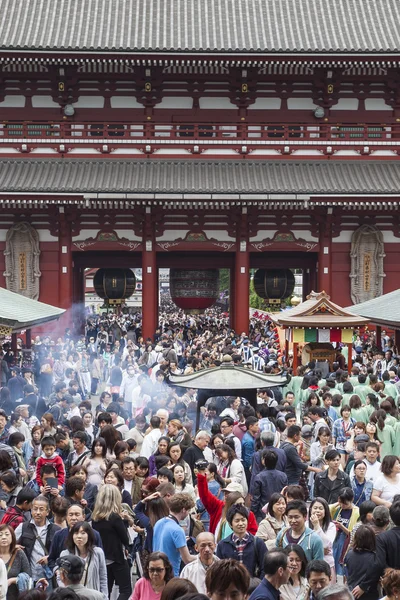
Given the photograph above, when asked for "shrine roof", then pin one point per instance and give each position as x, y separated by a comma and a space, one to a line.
18, 312
227, 377
384, 310
225, 178
201, 26
318, 311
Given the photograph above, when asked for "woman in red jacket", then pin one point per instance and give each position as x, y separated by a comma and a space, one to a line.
217, 509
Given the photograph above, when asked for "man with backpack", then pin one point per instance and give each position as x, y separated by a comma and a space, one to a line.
36, 537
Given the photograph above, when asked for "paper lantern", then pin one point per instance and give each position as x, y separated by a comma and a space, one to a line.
194, 290
114, 284
274, 285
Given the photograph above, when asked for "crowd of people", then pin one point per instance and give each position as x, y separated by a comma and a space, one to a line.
113, 484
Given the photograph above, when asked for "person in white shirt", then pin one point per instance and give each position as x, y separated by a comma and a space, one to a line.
196, 570
3, 580
231, 410
257, 362
149, 445
139, 397
226, 426
128, 385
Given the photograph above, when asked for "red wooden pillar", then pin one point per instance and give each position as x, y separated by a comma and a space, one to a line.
149, 281
28, 339
231, 298
325, 260
66, 268
242, 283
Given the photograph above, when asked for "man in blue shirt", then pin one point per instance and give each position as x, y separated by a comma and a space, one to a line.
248, 444
169, 537
276, 574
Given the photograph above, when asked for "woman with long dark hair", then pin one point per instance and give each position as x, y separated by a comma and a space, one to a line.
81, 541
115, 477
360, 561
175, 453
274, 520
319, 519
96, 463
14, 559
148, 511
296, 586
162, 450
111, 437
229, 467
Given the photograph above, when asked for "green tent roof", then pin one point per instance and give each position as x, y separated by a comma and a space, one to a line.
19, 312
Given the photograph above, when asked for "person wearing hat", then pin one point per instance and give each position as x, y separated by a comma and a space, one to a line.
256, 361
246, 351
72, 570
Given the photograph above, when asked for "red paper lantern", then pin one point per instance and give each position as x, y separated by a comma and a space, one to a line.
194, 291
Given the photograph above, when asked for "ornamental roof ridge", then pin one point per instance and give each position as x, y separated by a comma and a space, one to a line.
202, 26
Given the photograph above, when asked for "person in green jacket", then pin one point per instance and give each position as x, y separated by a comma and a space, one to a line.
358, 412
385, 432
362, 388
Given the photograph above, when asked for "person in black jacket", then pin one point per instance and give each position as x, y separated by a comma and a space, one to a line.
294, 465
109, 520
387, 553
360, 560
331, 482
266, 483
36, 537
241, 545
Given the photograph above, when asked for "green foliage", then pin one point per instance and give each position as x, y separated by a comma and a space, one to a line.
255, 301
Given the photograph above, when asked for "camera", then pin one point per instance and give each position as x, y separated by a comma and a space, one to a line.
201, 465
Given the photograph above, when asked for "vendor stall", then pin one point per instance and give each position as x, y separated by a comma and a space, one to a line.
321, 323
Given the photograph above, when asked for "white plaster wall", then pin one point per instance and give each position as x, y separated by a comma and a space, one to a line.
86, 233
346, 104
376, 104
266, 104
170, 235
124, 102
175, 102
128, 234
216, 103
220, 235
300, 104
44, 102
45, 236
89, 102
263, 234
13, 100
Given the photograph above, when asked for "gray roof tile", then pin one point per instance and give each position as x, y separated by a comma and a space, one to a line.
201, 25
191, 177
